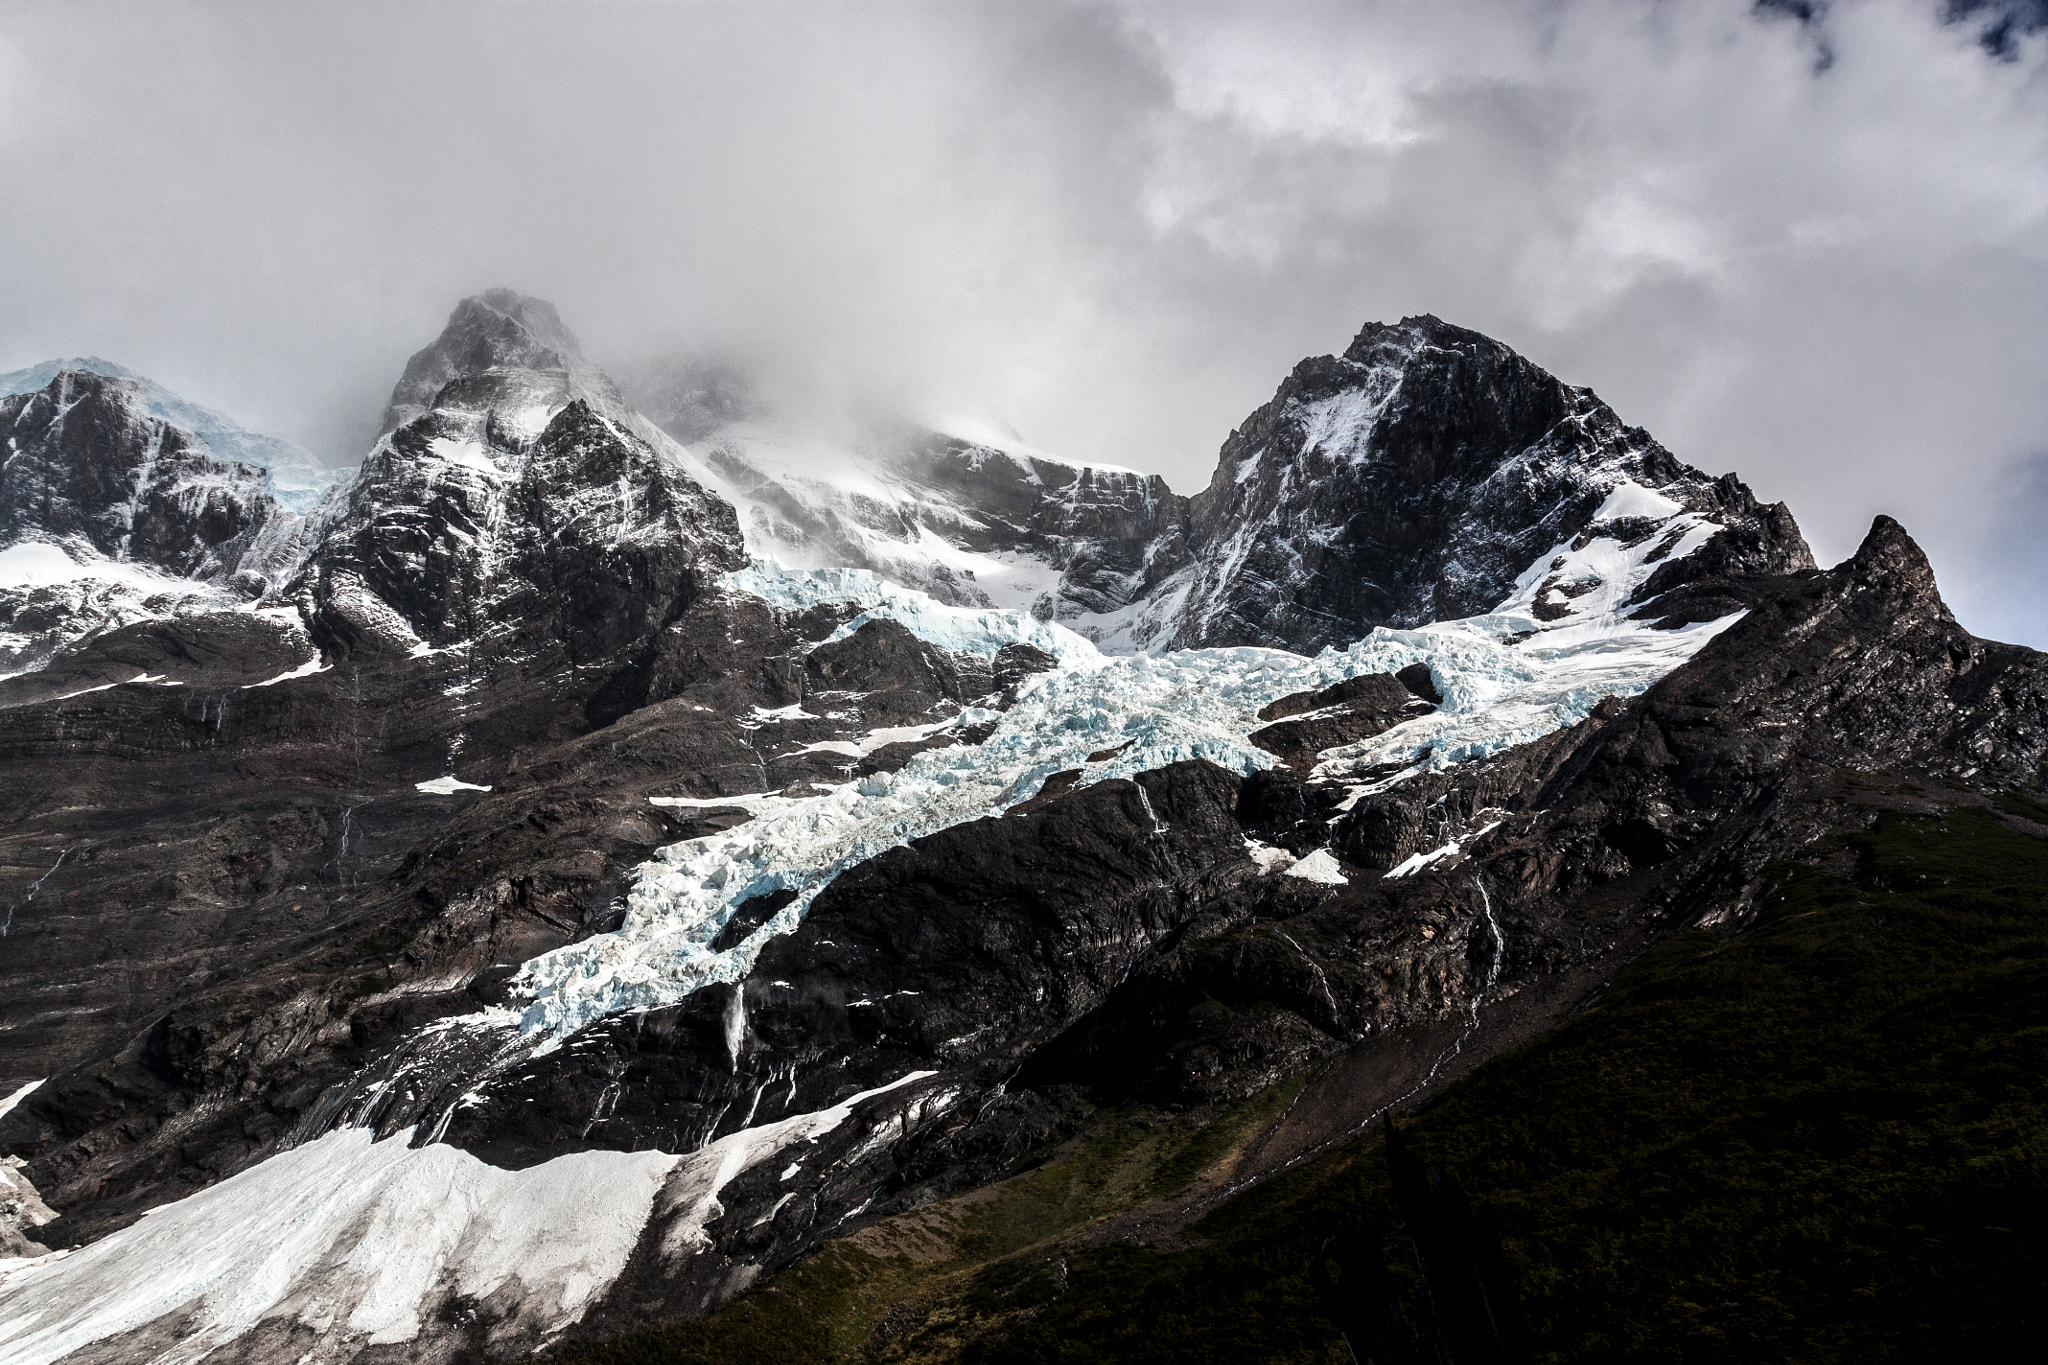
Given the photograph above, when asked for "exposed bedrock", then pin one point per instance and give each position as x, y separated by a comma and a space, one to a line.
1413, 479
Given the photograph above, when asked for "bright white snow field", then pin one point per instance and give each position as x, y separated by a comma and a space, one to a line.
360, 1242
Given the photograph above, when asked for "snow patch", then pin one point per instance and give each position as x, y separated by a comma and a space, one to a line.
470, 455
41, 564
1268, 858
1319, 866
359, 1240
447, 786
7, 1105
1416, 862
304, 670
887, 735
1631, 499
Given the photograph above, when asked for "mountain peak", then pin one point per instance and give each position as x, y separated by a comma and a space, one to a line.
1892, 560
1421, 476
39, 376
297, 479
496, 331
1380, 342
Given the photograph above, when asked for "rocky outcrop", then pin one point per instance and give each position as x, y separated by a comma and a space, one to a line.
87, 463
1415, 478
22, 1212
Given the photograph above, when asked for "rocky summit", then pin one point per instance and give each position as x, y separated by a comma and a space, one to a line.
619, 859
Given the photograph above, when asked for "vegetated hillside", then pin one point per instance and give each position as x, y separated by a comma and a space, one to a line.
1821, 1138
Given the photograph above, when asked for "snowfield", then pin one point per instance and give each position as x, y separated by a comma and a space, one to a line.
347, 1243
352, 1239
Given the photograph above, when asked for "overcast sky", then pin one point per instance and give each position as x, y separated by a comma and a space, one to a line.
1812, 252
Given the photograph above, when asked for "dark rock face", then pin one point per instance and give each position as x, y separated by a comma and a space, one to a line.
85, 461
1579, 848
260, 908
515, 501
1413, 479
1308, 723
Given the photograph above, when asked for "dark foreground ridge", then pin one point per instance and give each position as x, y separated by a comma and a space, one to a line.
1810, 1140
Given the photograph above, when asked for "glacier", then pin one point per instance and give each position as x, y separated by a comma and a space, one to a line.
1506, 678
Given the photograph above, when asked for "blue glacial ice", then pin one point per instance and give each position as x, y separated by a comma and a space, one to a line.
1506, 679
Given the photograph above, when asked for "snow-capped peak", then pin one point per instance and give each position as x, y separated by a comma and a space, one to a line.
500, 351
296, 479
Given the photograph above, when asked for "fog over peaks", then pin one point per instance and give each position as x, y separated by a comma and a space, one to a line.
1805, 242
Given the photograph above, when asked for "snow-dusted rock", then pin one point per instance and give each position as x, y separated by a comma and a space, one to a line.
110, 515
296, 479
510, 492
1416, 478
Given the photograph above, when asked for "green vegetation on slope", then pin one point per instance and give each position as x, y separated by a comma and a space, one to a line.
858, 1294
1822, 1139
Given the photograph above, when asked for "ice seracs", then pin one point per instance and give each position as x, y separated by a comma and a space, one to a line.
1506, 678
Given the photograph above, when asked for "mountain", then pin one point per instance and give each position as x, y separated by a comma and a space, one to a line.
110, 515
968, 522
1418, 477
1412, 479
296, 479
598, 880
510, 505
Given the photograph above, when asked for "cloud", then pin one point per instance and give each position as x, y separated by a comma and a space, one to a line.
1814, 252
16, 89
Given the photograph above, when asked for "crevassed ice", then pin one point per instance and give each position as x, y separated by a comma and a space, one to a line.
1505, 678
968, 630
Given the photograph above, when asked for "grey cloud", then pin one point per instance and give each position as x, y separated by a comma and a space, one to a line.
1110, 229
